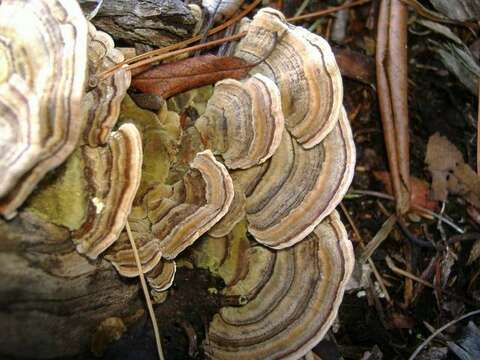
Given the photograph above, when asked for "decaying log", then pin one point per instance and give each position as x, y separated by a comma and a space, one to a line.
51, 298
153, 22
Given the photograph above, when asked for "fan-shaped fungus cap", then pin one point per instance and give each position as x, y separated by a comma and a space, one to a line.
195, 207
244, 181
243, 121
303, 67
161, 277
113, 173
102, 102
43, 57
293, 298
122, 258
301, 187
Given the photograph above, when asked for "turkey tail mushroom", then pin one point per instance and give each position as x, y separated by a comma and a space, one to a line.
292, 295
102, 102
243, 121
301, 187
43, 47
198, 204
303, 67
113, 173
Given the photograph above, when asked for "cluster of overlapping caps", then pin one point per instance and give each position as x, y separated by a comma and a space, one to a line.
270, 156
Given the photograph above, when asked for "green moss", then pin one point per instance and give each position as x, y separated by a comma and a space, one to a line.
160, 138
61, 198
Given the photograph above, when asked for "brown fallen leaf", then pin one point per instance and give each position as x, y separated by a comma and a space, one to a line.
355, 65
419, 189
176, 77
465, 182
442, 158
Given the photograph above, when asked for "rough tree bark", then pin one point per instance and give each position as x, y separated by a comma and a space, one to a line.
151, 22
51, 298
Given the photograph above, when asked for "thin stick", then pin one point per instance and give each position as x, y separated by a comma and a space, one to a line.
405, 273
414, 206
438, 331
370, 261
146, 294
184, 43
141, 63
478, 130
169, 51
328, 11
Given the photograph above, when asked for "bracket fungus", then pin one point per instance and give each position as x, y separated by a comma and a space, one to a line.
292, 295
43, 56
301, 187
113, 173
203, 200
102, 102
303, 66
243, 121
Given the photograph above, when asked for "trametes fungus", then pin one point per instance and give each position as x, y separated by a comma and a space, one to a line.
292, 298
303, 67
301, 187
243, 121
102, 102
197, 204
43, 57
113, 175
162, 276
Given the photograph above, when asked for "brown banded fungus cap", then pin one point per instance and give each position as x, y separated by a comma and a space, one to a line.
300, 187
43, 57
161, 277
113, 173
102, 102
292, 295
304, 69
196, 204
243, 121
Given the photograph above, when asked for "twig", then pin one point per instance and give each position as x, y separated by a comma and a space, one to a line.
141, 63
378, 239
184, 43
327, 11
302, 7
145, 293
177, 49
398, 82
478, 130
414, 206
405, 273
370, 261
438, 331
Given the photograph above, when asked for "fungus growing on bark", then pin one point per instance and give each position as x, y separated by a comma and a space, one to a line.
301, 187
43, 56
161, 277
102, 102
243, 121
303, 67
292, 298
196, 204
113, 175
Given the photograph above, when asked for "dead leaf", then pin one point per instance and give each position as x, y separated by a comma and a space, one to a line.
465, 182
176, 77
442, 158
419, 189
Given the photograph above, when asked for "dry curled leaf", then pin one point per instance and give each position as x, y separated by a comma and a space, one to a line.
176, 77
442, 157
